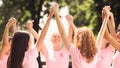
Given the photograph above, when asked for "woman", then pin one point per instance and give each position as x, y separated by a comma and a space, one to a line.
22, 55
83, 51
6, 43
107, 49
60, 56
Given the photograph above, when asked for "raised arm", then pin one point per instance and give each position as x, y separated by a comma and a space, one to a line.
70, 34
70, 20
72, 27
111, 25
5, 42
112, 41
40, 44
61, 28
31, 30
14, 26
103, 27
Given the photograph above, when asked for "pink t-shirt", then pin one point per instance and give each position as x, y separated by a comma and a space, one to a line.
79, 62
60, 59
116, 63
3, 61
30, 59
106, 56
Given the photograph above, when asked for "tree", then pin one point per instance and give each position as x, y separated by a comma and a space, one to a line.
83, 11
115, 8
22, 10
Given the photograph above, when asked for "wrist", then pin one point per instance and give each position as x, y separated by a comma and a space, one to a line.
7, 26
50, 15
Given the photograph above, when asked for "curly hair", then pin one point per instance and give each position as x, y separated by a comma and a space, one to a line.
85, 41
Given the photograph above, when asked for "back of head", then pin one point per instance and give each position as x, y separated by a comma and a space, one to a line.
85, 41
19, 46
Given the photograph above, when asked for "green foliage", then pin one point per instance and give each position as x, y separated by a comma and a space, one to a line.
22, 10
115, 8
83, 12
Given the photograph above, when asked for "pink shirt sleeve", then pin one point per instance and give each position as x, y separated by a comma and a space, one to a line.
105, 61
3, 61
30, 58
116, 63
33, 53
76, 57
73, 51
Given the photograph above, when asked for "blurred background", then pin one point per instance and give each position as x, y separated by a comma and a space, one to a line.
85, 12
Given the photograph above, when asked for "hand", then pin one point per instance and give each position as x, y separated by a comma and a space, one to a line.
14, 22
69, 18
30, 24
51, 12
55, 7
52, 8
11, 21
106, 10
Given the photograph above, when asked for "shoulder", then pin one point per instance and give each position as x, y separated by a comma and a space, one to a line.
31, 52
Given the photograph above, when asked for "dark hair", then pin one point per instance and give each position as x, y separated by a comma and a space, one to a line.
19, 46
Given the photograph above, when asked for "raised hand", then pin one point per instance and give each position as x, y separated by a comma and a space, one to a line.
71, 21
105, 11
11, 21
14, 21
30, 24
69, 18
55, 7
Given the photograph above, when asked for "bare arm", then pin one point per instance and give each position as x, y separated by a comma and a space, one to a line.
70, 33
6, 43
70, 20
61, 29
14, 26
102, 29
72, 27
40, 44
31, 30
111, 25
112, 41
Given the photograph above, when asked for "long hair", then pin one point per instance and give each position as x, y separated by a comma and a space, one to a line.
85, 41
18, 47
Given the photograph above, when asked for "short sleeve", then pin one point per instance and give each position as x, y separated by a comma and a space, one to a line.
30, 58
31, 55
73, 50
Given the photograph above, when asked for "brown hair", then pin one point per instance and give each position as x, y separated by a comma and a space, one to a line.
85, 41
18, 48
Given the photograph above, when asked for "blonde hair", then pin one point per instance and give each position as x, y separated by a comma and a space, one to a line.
85, 41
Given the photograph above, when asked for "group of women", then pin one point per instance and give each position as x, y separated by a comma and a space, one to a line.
85, 50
